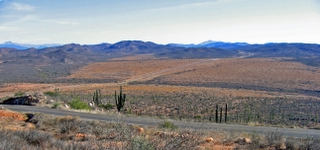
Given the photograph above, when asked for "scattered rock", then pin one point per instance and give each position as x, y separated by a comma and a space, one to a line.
40, 96
65, 105
158, 133
80, 135
282, 146
209, 139
247, 140
243, 141
29, 125
141, 130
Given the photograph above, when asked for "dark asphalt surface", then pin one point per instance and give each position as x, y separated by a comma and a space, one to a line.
155, 122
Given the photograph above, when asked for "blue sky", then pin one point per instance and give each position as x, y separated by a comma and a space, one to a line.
160, 21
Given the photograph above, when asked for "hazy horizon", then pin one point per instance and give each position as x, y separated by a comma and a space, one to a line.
13, 42
162, 22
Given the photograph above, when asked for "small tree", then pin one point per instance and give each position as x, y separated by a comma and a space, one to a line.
120, 99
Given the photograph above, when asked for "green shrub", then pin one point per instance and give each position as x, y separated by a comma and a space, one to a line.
197, 117
107, 106
20, 93
52, 94
168, 125
76, 103
56, 105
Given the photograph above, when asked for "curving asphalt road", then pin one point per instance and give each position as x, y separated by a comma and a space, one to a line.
155, 122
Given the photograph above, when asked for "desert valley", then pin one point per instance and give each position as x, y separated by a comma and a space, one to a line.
271, 85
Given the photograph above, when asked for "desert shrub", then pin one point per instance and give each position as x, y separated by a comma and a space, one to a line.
9, 141
184, 140
91, 145
123, 130
25, 139
292, 143
38, 119
256, 141
68, 124
52, 94
76, 103
310, 143
168, 125
141, 143
20, 93
274, 137
56, 105
107, 106
197, 117
36, 138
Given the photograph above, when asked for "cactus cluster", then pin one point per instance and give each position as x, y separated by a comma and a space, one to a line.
219, 118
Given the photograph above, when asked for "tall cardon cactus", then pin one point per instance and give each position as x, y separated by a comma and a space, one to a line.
97, 97
120, 99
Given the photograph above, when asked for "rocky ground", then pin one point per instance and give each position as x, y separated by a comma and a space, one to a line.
39, 131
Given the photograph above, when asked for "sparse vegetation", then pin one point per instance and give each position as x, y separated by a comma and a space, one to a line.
56, 105
20, 93
107, 106
52, 94
168, 125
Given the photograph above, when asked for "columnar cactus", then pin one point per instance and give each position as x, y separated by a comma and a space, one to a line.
217, 108
226, 114
97, 97
120, 99
220, 114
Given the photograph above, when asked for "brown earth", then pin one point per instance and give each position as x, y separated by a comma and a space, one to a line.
135, 69
12, 115
266, 72
12, 120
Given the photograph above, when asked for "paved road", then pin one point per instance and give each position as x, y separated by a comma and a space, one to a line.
155, 122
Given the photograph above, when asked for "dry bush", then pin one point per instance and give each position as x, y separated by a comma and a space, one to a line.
274, 138
27, 139
141, 143
183, 140
68, 124
312, 143
36, 138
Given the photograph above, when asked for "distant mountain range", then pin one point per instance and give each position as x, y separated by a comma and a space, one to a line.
213, 44
43, 63
208, 49
148, 45
19, 46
